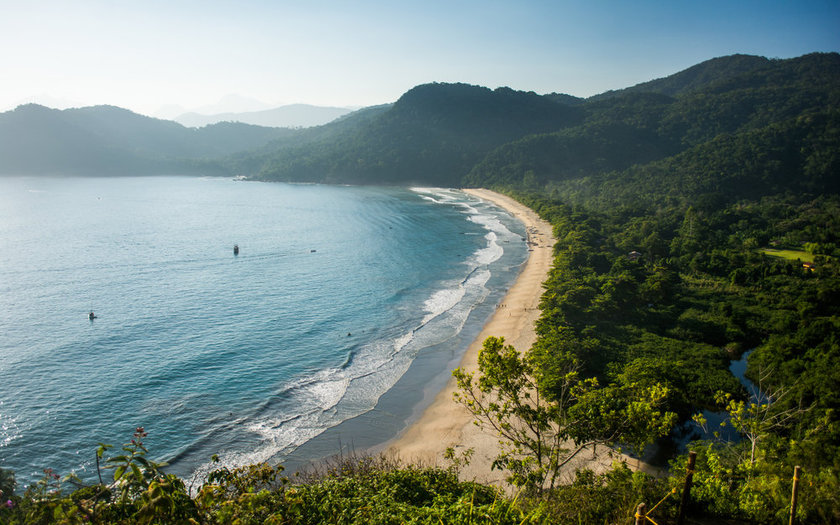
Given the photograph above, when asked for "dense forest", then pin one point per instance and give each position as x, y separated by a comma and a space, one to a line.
778, 114
697, 218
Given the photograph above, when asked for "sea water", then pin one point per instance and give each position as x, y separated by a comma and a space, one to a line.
338, 319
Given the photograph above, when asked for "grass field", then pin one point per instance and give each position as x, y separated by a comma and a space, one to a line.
789, 254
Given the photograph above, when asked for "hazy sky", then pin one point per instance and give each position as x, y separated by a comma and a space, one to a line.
145, 55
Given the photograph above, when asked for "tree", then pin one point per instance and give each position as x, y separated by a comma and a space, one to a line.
760, 416
540, 434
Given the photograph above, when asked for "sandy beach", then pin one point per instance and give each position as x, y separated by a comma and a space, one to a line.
447, 424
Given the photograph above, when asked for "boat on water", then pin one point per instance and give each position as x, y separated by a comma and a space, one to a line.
91, 315
236, 249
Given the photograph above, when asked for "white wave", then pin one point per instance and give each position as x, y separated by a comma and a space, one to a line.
442, 196
489, 254
442, 301
321, 401
403, 341
431, 199
328, 393
490, 222
324, 399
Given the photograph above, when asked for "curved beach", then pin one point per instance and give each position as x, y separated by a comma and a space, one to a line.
447, 424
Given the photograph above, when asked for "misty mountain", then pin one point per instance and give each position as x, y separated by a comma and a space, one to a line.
106, 140
290, 116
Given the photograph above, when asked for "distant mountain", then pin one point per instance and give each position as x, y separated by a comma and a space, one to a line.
291, 116
231, 103
105, 140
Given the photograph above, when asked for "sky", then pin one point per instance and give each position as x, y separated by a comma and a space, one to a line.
163, 57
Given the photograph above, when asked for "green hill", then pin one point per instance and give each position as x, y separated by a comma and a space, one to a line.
769, 130
696, 77
432, 135
456, 134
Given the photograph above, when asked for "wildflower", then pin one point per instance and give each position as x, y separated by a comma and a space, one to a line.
9, 503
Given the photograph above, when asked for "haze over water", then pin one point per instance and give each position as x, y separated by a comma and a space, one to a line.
335, 293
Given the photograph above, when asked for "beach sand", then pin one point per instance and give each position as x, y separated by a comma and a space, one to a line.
445, 423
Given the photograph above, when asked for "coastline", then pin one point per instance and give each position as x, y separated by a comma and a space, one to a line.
447, 424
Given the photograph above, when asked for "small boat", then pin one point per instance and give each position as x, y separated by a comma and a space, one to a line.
91, 315
236, 249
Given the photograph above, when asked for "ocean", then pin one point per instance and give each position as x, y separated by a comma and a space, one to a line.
333, 327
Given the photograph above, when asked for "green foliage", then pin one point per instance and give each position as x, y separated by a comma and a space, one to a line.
658, 276
139, 493
355, 491
727, 485
536, 428
610, 497
7, 484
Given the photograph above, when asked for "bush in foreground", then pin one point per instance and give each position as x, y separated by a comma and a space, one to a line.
366, 490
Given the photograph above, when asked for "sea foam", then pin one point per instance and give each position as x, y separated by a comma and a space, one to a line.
328, 397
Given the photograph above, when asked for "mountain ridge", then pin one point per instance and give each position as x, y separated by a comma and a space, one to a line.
455, 134
101, 140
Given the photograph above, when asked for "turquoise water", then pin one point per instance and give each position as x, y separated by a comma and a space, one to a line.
340, 315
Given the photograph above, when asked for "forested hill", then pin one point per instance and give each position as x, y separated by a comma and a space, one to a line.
434, 134
680, 133
697, 77
106, 140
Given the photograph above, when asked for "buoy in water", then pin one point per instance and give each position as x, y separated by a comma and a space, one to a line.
236, 249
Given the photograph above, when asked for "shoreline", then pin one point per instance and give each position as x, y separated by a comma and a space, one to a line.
444, 423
